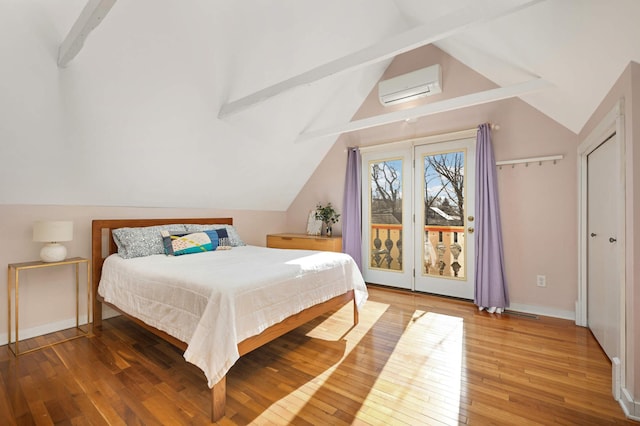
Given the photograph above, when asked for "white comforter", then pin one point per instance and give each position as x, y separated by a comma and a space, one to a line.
214, 300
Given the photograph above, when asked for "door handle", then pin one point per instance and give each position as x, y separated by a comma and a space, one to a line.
470, 229
612, 240
593, 234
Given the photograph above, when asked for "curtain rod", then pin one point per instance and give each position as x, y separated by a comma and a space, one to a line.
459, 134
423, 140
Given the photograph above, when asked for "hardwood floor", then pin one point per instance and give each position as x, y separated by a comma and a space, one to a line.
413, 359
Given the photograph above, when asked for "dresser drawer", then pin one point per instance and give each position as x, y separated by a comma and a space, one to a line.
304, 242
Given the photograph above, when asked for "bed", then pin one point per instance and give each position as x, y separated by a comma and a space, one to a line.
212, 305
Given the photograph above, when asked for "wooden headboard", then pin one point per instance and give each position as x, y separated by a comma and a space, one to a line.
102, 237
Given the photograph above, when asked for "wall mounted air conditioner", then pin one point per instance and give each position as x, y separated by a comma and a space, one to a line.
410, 86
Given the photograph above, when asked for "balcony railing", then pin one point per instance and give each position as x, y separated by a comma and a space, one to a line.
386, 246
443, 252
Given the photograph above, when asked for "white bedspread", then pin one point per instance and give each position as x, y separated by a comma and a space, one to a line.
214, 300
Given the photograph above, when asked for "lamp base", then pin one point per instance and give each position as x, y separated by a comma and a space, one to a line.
53, 252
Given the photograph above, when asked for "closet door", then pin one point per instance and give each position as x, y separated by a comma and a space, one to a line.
387, 218
603, 283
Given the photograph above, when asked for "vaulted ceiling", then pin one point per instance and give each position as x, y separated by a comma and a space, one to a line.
580, 47
153, 78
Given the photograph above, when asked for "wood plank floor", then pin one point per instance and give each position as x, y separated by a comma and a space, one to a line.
413, 359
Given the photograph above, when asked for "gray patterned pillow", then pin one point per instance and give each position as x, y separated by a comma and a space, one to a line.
234, 237
144, 241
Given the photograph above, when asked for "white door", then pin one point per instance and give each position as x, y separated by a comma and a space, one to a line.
386, 217
603, 286
444, 218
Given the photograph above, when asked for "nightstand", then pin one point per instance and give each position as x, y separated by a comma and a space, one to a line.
13, 280
304, 242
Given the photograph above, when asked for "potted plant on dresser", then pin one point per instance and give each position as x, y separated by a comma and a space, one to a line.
328, 215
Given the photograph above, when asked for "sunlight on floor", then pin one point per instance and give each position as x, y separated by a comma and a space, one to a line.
428, 356
420, 379
337, 327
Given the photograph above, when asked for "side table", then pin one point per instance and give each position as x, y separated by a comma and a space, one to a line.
13, 280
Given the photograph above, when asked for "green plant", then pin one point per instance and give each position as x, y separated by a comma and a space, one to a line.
327, 214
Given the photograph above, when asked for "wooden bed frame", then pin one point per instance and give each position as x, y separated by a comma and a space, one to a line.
102, 239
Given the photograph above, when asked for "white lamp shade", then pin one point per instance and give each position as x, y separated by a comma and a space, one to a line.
53, 231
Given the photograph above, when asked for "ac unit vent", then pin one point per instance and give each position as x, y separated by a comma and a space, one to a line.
410, 86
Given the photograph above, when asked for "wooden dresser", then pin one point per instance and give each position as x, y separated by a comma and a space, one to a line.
304, 242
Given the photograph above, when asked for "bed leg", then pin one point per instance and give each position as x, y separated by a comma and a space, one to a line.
218, 399
97, 314
355, 312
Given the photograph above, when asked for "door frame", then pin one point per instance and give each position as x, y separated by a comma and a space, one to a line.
612, 123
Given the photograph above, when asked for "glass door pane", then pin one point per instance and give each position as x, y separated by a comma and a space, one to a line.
386, 214
386, 182
443, 212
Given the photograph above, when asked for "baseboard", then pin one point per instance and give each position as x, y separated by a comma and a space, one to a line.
542, 310
630, 407
28, 333
616, 378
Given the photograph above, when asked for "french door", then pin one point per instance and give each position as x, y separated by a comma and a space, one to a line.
418, 217
444, 202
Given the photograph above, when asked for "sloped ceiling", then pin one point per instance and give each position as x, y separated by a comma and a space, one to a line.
580, 47
138, 107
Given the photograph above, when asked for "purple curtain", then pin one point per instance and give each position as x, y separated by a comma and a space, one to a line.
352, 208
490, 282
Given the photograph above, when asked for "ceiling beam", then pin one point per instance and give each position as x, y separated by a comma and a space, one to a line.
446, 26
90, 17
451, 104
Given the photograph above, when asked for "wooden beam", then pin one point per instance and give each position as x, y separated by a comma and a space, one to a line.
90, 17
464, 101
446, 26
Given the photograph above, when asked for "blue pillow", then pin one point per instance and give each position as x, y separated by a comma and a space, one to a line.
187, 243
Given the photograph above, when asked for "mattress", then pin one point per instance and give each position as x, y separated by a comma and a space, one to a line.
214, 300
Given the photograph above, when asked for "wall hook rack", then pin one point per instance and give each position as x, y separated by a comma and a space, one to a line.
526, 161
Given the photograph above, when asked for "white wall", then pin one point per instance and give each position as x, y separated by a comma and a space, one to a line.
133, 119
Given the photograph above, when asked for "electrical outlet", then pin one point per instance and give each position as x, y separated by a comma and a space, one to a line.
541, 281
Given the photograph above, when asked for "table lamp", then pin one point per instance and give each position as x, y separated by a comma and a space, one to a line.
52, 233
